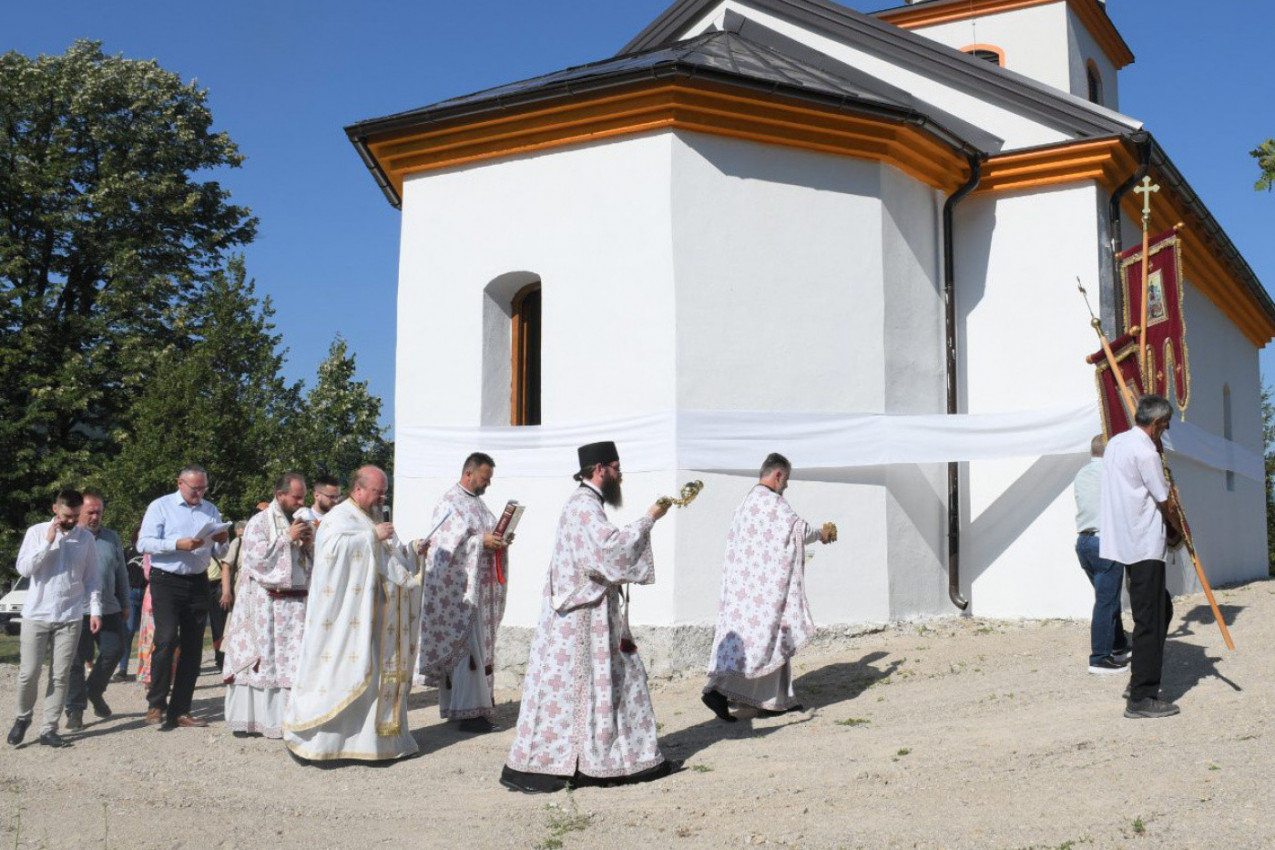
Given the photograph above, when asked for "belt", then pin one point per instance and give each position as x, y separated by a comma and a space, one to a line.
1089, 533
287, 594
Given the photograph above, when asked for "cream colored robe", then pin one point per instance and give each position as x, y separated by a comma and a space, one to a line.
349, 698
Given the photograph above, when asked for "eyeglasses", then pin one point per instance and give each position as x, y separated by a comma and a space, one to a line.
201, 489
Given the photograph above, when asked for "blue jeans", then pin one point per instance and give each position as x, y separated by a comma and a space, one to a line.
1106, 631
132, 625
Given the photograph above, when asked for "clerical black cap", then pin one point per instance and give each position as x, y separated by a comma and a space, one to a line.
604, 452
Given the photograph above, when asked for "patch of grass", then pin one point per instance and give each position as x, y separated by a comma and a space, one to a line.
1214, 767
1139, 828
10, 649
853, 721
701, 768
903, 751
561, 820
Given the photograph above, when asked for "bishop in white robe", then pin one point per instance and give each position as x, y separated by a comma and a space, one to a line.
464, 600
349, 698
586, 715
763, 618
263, 635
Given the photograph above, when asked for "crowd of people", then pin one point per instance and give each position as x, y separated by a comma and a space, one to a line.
323, 618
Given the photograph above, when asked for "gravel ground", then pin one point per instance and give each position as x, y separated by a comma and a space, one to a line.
954, 733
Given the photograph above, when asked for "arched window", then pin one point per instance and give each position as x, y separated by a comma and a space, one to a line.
1226, 431
1095, 83
524, 406
987, 52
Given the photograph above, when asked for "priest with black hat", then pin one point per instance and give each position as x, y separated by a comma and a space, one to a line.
586, 716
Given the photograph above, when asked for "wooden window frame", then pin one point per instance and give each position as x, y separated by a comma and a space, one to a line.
520, 403
990, 48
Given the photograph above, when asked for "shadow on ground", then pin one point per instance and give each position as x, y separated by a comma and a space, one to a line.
1187, 664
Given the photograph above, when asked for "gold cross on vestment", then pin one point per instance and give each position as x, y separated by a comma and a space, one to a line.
354, 657
328, 591
354, 622
1145, 189
326, 657
327, 624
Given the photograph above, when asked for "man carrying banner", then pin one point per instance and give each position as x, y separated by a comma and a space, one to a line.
763, 619
464, 600
586, 715
1135, 510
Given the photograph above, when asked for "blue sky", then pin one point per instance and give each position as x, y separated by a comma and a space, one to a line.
285, 77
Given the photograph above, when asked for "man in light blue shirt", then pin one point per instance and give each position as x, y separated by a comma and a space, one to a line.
182, 533
61, 559
1108, 643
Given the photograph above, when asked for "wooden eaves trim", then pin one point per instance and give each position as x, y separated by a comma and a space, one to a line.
1108, 162
1092, 15
696, 105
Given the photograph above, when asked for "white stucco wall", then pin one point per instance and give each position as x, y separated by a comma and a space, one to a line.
1024, 336
592, 222
1082, 48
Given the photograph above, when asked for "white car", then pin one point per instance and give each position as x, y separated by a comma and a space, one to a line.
11, 606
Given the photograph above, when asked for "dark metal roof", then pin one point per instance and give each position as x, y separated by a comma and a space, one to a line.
721, 56
1030, 97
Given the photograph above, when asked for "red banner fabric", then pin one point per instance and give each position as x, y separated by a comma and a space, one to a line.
1166, 323
1114, 418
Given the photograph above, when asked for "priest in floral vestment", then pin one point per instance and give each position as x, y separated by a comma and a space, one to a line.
349, 697
763, 618
586, 715
464, 600
263, 636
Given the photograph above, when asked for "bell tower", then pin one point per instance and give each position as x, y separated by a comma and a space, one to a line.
1071, 45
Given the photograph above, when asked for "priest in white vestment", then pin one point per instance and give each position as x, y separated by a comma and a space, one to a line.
763, 618
263, 636
586, 715
349, 698
464, 600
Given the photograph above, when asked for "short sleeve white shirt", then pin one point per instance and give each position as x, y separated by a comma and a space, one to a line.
1132, 484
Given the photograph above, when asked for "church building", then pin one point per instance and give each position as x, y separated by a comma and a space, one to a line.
855, 239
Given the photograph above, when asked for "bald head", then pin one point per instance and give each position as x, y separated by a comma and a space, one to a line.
368, 486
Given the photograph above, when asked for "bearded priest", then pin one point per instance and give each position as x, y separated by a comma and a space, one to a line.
763, 618
464, 600
349, 700
263, 636
586, 716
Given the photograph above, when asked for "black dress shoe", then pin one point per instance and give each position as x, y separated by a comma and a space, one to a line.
766, 712
19, 731
477, 726
52, 739
719, 705
100, 708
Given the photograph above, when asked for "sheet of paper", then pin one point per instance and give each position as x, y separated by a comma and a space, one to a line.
206, 533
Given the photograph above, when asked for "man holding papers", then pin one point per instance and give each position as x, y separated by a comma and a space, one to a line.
464, 600
181, 532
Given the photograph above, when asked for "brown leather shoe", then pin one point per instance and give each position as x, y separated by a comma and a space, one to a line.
154, 715
187, 721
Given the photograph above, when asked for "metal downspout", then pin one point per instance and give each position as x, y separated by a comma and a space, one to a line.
949, 306
1143, 142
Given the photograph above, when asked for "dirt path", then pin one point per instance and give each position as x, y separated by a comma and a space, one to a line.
952, 734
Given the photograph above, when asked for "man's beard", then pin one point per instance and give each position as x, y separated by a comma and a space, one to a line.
478, 491
611, 494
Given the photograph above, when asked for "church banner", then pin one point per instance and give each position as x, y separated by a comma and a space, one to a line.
1115, 419
1166, 322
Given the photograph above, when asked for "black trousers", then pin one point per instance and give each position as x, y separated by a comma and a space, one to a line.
217, 618
1152, 610
180, 606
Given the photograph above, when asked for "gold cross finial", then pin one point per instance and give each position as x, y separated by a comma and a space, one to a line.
1145, 189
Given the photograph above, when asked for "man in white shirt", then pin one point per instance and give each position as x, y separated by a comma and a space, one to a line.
179, 592
61, 560
1108, 643
327, 495
1135, 511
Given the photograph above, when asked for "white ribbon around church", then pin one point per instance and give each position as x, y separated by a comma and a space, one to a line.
739, 440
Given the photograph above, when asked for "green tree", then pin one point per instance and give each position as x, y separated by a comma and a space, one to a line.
340, 429
1265, 156
106, 240
216, 399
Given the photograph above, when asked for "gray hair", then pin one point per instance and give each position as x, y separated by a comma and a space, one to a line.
1097, 446
774, 461
241, 525
192, 469
1152, 408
